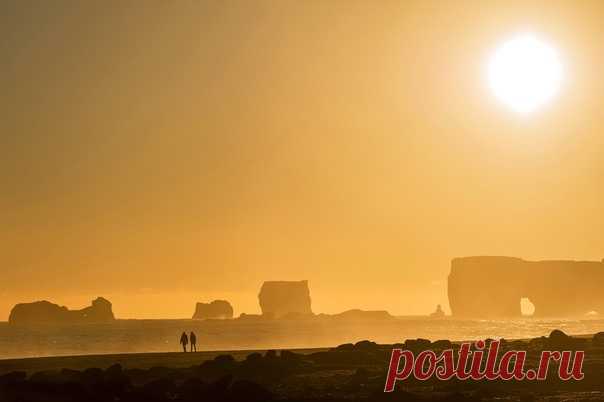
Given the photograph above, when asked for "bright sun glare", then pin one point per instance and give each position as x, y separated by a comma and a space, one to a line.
525, 73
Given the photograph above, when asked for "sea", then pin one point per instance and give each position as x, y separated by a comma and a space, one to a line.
145, 336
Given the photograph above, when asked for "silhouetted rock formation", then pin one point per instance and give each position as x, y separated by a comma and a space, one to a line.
44, 312
438, 313
278, 298
362, 315
354, 315
218, 309
491, 287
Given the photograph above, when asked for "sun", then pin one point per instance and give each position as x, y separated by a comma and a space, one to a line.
525, 73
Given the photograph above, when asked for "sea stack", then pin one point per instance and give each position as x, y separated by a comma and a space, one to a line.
218, 309
45, 312
280, 298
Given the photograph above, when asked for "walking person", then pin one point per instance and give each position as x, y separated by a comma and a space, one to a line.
193, 339
184, 340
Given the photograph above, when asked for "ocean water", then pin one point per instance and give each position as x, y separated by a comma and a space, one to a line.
141, 336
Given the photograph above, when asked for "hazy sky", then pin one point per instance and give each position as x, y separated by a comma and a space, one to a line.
161, 153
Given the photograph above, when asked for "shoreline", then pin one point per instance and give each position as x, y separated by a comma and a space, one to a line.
176, 359
129, 360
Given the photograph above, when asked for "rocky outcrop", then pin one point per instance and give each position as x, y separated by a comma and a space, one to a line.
492, 287
218, 309
279, 298
438, 313
363, 315
45, 312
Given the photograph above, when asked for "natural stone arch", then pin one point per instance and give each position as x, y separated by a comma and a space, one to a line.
492, 287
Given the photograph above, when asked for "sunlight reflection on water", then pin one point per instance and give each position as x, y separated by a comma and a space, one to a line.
137, 336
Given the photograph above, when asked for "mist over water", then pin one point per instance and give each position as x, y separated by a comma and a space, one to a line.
143, 336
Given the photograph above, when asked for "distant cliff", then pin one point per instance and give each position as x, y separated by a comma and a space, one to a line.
491, 287
280, 298
45, 312
218, 309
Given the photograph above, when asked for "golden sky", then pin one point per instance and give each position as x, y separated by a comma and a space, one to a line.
162, 153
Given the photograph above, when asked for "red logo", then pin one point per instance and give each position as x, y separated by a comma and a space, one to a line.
404, 364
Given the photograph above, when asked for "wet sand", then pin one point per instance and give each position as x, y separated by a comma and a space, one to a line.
127, 360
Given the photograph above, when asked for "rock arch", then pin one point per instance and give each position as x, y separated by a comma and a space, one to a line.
492, 287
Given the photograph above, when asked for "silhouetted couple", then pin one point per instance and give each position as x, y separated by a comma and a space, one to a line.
184, 341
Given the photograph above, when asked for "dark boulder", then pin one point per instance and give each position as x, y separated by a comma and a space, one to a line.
558, 339
366, 345
598, 339
14, 377
247, 391
417, 344
270, 354
345, 347
442, 344
290, 356
221, 366
253, 357
159, 390
191, 389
